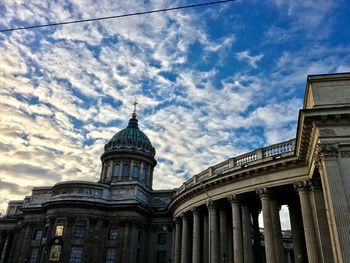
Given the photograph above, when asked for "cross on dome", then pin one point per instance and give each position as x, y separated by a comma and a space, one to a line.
134, 112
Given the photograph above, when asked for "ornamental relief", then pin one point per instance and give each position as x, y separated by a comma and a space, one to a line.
327, 132
325, 150
345, 154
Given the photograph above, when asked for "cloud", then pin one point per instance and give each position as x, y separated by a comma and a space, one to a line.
250, 60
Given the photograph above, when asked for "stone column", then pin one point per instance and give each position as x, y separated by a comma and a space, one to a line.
205, 238
185, 249
256, 234
2, 240
268, 228
297, 233
309, 230
320, 220
223, 235
236, 229
338, 211
230, 241
196, 241
247, 235
7, 247
213, 233
277, 231
4, 244
177, 253
173, 242
26, 239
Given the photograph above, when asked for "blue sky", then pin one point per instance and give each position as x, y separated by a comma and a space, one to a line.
211, 82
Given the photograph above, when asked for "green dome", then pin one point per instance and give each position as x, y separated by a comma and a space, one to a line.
131, 138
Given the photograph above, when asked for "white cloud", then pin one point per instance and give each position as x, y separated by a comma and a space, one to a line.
246, 57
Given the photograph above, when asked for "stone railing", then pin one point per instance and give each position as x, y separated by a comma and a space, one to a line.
270, 152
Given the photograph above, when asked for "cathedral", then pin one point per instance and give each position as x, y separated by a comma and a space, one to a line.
213, 216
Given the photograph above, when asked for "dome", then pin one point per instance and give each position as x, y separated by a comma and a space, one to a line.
131, 138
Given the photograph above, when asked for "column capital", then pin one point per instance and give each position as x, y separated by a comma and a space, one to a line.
316, 184
195, 210
263, 192
302, 186
233, 198
211, 204
184, 215
325, 151
176, 220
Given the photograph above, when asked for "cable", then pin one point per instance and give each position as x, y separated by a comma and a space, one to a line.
116, 16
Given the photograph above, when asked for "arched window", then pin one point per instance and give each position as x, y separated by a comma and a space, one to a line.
144, 172
135, 171
126, 169
116, 169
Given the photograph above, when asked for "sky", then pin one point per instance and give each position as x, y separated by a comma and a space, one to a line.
211, 82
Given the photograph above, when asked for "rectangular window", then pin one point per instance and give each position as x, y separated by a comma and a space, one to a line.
144, 172
76, 254
135, 171
126, 169
59, 230
116, 170
113, 232
161, 238
79, 231
161, 256
38, 233
55, 253
34, 255
111, 255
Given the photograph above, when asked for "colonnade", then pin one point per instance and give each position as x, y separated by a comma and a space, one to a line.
227, 230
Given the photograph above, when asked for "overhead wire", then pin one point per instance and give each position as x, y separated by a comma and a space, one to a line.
116, 16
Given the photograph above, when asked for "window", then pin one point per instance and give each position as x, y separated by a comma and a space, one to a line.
76, 254
126, 169
161, 256
116, 169
161, 238
38, 233
144, 172
112, 235
111, 254
34, 255
135, 171
79, 231
55, 253
59, 230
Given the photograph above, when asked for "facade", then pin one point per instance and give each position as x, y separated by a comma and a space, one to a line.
212, 217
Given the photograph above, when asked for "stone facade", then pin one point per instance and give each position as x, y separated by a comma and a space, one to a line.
212, 217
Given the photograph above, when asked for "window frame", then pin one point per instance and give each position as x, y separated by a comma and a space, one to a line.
113, 236
77, 234
75, 258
